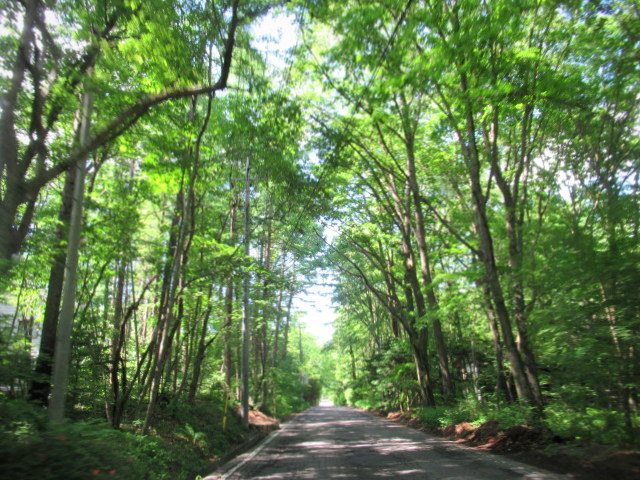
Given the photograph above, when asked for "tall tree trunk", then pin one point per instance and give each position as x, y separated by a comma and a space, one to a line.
276, 333
117, 340
425, 268
419, 337
470, 150
502, 385
246, 328
41, 385
200, 355
62, 354
264, 341
10, 167
120, 385
227, 356
287, 320
167, 324
486, 247
510, 195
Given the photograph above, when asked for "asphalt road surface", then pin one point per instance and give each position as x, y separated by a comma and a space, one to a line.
344, 443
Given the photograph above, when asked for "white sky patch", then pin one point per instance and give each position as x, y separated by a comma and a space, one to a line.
276, 35
316, 309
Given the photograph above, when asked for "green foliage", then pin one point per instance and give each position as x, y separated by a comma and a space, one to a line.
589, 424
412, 103
562, 419
516, 118
312, 391
200, 424
78, 451
385, 381
187, 439
195, 438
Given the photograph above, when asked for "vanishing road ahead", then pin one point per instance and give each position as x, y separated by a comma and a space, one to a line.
344, 443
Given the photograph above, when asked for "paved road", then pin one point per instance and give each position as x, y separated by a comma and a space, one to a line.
344, 443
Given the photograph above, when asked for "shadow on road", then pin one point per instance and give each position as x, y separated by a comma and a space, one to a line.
339, 443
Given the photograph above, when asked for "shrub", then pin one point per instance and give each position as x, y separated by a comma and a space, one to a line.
588, 423
30, 449
472, 411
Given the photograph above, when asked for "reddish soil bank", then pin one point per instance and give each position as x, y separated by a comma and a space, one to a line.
260, 421
541, 448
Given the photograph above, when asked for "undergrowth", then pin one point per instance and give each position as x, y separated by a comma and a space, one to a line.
569, 422
475, 413
182, 445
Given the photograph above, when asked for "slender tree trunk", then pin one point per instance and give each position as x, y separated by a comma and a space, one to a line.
287, 321
470, 150
121, 389
227, 356
168, 324
425, 268
419, 338
415, 299
514, 220
246, 328
264, 341
41, 385
200, 355
486, 247
502, 385
276, 333
117, 341
62, 356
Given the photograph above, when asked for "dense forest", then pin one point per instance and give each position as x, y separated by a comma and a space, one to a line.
466, 173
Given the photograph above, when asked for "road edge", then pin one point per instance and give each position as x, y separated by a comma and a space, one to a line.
232, 461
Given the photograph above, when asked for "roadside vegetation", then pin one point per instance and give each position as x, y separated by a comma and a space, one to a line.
485, 160
158, 221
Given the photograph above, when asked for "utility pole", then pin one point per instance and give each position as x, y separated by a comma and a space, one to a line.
62, 353
246, 332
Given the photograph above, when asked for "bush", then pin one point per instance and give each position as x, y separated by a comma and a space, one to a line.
30, 449
472, 411
79, 451
312, 391
432, 417
588, 423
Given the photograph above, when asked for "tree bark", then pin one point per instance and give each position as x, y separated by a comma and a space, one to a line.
41, 385
510, 195
200, 355
167, 323
425, 268
62, 354
502, 385
246, 327
287, 321
488, 259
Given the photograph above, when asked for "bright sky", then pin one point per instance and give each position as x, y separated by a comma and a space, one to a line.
316, 309
277, 35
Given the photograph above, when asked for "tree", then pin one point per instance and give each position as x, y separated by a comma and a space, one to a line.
25, 169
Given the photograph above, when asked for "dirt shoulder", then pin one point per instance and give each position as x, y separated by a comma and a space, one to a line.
540, 448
